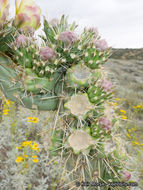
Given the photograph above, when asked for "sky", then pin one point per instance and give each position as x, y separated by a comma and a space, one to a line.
120, 22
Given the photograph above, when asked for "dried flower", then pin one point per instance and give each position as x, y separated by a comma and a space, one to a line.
68, 37
21, 40
47, 53
105, 123
107, 85
126, 175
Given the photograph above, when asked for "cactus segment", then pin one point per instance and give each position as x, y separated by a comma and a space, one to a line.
93, 58
80, 140
79, 105
35, 84
12, 88
56, 142
95, 94
80, 76
6, 37
25, 56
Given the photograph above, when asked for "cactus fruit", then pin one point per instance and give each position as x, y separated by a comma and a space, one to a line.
93, 57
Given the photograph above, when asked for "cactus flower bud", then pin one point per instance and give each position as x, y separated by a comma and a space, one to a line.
101, 45
4, 10
27, 14
107, 85
126, 175
68, 37
21, 40
47, 53
105, 123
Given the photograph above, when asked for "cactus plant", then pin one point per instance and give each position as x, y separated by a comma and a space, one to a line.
65, 74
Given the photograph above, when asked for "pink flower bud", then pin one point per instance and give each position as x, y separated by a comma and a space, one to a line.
101, 45
126, 175
68, 37
27, 14
21, 40
107, 85
54, 22
47, 53
105, 123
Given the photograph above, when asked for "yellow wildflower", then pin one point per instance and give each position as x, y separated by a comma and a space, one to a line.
133, 129
138, 106
123, 111
25, 143
115, 104
35, 160
117, 99
35, 144
129, 130
34, 156
128, 135
25, 156
5, 112
18, 147
124, 117
35, 120
141, 144
8, 102
34, 148
19, 159
135, 142
30, 119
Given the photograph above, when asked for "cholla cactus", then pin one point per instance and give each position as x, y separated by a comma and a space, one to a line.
65, 74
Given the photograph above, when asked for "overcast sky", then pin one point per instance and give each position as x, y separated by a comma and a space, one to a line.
120, 22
